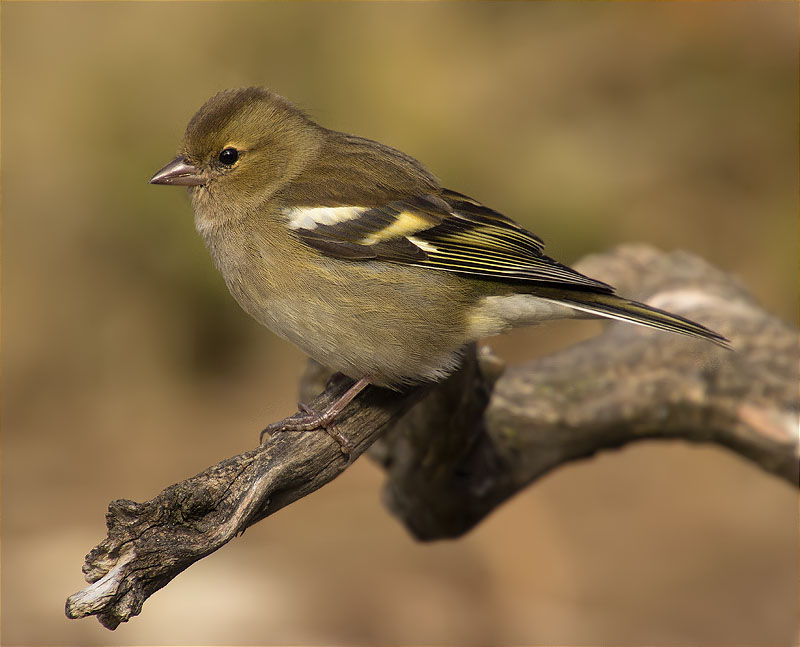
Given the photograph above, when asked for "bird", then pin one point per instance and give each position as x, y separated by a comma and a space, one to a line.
355, 252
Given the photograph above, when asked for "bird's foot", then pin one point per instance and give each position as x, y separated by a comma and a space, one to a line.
310, 420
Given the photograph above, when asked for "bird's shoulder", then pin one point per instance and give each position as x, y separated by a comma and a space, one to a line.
348, 170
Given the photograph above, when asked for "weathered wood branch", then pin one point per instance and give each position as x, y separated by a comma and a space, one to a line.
453, 452
150, 543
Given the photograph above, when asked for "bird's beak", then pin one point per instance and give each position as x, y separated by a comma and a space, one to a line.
179, 172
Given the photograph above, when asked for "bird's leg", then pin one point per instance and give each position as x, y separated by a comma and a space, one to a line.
311, 420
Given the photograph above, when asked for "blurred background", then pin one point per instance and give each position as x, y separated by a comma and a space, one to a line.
127, 367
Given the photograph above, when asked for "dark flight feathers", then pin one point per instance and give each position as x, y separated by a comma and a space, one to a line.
450, 232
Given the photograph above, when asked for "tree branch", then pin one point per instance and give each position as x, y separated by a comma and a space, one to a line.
150, 543
482, 435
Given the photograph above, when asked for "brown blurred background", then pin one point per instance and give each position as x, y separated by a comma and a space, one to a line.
126, 366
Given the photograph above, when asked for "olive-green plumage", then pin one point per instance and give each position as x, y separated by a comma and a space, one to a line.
354, 252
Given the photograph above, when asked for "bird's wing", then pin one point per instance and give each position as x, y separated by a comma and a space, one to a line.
448, 231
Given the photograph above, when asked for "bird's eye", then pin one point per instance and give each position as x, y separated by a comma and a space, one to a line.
229, 156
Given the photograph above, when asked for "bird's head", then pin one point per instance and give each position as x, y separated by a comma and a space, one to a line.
239, 149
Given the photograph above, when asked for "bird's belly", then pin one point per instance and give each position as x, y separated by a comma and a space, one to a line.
363, 344
392, 325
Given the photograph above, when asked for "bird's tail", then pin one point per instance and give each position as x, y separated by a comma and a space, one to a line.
613, 307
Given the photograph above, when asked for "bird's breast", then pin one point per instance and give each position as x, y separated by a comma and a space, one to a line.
391, 322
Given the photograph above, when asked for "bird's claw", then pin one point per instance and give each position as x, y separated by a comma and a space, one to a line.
309, 420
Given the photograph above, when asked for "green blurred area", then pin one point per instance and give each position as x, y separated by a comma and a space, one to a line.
126, 365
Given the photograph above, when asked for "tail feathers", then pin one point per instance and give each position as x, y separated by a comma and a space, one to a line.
614, 307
